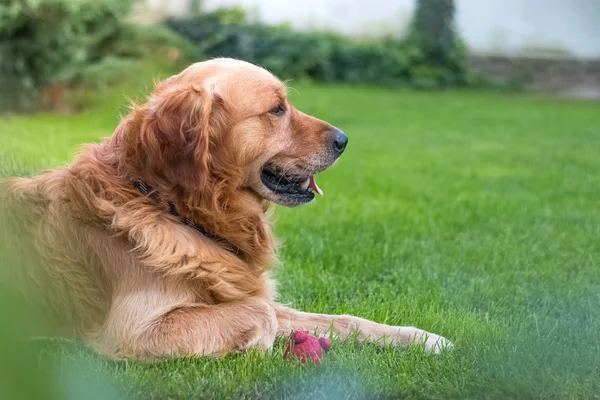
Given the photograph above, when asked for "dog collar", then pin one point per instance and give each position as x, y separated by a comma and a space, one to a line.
147, 190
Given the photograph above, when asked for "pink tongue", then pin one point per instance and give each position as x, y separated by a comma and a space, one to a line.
313, 185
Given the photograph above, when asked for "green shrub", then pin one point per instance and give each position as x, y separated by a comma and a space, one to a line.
321, 56
47, 47
47, 42
134, 41
134, 44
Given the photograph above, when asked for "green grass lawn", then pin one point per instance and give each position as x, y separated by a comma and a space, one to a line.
474, 216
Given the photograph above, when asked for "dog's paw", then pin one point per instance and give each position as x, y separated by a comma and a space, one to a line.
431, 342
435, 343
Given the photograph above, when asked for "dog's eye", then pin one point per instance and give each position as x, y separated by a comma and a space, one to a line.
277, 111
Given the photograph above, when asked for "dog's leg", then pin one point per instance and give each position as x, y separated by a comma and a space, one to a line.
189, 331
345, 326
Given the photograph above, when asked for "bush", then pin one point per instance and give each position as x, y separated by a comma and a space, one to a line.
134, 45
49, 46
44, 43
320, 56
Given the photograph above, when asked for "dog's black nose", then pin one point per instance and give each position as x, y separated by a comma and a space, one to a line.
340, 140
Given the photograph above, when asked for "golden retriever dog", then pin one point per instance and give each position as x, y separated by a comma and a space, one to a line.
157, 242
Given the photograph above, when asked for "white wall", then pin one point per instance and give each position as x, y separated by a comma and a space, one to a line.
488, 26
351, 17
509, 26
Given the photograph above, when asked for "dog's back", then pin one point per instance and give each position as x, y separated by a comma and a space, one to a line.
45, 258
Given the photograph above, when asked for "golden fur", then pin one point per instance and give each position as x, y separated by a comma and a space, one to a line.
130, 278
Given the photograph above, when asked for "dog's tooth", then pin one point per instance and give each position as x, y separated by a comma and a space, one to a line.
304, 184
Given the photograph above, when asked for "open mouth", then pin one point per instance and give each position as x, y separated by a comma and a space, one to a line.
292, 189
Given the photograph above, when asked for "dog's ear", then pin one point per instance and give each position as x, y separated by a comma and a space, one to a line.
175, 136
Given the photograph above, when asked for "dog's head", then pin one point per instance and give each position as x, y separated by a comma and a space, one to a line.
226, 122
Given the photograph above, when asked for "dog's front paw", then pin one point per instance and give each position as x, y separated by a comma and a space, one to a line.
435, 343
431, 342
